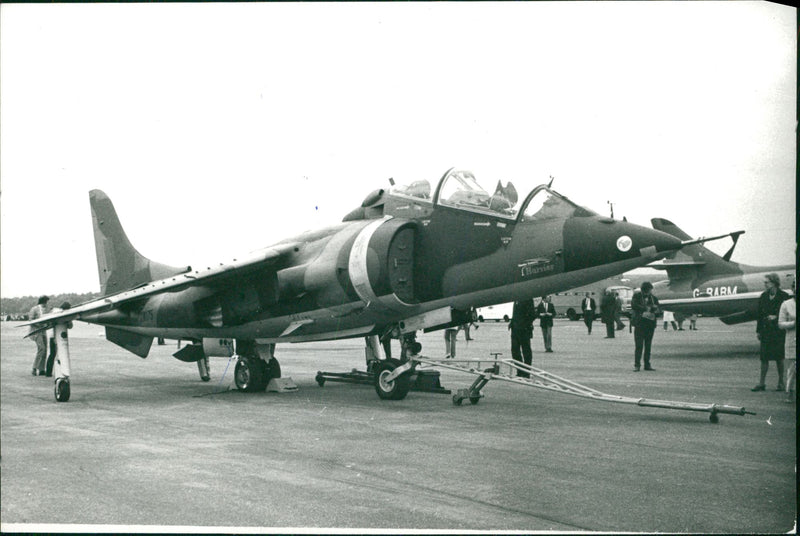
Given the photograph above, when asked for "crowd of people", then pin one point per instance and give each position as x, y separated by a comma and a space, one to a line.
776, 328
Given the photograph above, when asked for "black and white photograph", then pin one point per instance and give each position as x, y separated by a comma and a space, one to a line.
398, 267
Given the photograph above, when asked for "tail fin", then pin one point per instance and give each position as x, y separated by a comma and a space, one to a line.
119, 265
692, 259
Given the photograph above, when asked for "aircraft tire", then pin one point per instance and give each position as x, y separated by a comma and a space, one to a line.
393, 390
250, 375
572, 315
62, 389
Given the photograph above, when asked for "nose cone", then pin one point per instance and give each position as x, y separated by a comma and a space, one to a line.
595, 241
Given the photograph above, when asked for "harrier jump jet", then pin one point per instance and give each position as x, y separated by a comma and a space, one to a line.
410, 257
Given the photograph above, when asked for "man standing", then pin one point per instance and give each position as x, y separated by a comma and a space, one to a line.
644, 307
546, 311
588, 307
450, 341
607, 312
521, 326
39, 337
772, 337
618, 312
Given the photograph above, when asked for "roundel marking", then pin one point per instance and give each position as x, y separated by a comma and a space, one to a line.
624, 243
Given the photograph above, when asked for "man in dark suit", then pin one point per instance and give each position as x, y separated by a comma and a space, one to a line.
546, 311
589, 309
521, 326
608, 307
644, 307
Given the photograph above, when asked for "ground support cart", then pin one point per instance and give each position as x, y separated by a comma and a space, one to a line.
523, 374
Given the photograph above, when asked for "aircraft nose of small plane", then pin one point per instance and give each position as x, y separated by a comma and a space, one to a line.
594, 241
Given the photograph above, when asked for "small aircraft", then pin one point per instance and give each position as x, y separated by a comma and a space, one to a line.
408, 258
702, 282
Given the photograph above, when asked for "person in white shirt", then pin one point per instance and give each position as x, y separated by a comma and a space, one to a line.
787, 320
39, 337
588, 307
669, 318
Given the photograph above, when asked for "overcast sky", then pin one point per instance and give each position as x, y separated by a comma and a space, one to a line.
217, 129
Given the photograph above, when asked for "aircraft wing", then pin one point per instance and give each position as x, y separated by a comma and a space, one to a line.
661, 265
175, 283
721, 306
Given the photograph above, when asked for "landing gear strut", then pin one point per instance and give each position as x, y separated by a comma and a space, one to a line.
204, 369
62, 390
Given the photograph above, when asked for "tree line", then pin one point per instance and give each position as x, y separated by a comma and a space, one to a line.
18, 308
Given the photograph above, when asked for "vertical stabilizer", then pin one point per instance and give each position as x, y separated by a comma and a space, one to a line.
119, 265
691, 259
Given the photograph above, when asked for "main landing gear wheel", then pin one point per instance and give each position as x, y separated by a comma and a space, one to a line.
62, 389
396, 389
250, 374
253, 374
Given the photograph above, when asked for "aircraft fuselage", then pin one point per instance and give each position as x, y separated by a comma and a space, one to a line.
380, 267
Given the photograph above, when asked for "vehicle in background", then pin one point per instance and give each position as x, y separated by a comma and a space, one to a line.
568, 303
501, 312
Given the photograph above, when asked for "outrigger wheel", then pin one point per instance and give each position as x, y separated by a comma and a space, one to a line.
396, 389
62, 389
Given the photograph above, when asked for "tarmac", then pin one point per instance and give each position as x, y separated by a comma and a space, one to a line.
144, 445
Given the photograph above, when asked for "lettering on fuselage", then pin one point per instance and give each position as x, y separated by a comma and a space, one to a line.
535, 266
714, 291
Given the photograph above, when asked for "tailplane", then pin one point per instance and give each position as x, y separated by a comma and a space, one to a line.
691, 259
119, 265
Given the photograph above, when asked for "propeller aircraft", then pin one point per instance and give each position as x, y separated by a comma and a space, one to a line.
410, 257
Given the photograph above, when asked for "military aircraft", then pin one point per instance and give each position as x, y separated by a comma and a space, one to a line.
704, 283
408, 258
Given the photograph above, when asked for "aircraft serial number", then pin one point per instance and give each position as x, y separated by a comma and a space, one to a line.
715, 291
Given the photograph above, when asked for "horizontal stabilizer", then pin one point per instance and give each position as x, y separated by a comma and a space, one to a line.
133, 342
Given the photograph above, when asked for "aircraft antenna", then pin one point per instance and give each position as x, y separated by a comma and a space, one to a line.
551, 181
612, 208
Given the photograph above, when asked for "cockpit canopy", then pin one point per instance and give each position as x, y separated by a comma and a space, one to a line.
460, 190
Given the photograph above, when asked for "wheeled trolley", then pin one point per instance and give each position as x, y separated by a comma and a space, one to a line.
523, 374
